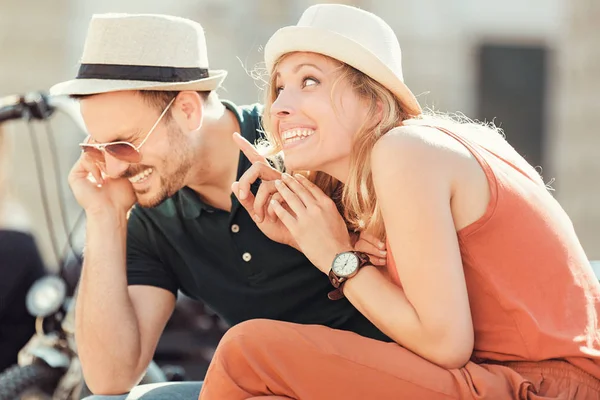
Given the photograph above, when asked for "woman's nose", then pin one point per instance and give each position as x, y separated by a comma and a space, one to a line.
283, 105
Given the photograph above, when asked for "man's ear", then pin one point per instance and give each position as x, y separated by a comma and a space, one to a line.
191, 108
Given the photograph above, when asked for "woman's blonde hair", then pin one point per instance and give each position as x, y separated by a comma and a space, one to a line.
356, 200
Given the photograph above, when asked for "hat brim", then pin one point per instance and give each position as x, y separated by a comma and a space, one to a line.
302, 38
76, 87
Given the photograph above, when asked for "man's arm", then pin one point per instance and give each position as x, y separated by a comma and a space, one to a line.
117, 327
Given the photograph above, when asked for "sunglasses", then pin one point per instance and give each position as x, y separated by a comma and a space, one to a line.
123, 151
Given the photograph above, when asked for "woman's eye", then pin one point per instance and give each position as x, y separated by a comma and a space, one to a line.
278, 90
308, 81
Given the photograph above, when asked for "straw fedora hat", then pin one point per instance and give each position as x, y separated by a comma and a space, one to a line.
142, 52
351, 35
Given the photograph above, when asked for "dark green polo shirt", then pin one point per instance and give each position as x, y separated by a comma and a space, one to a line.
224, 260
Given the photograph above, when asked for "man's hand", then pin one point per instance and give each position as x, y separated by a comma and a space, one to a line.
96, 193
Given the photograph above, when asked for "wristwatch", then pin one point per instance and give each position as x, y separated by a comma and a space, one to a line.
344, 266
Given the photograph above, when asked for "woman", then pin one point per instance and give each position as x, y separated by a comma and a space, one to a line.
487, 294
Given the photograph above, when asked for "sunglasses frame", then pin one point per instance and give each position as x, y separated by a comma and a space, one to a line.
103, 147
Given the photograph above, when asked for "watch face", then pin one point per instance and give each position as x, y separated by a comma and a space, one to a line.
345, 264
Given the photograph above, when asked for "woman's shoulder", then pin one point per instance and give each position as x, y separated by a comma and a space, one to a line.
407, 134
414, 146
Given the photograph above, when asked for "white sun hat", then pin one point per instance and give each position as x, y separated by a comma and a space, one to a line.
351, 35
142, 52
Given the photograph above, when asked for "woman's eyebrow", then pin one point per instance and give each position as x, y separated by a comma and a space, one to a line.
300, 66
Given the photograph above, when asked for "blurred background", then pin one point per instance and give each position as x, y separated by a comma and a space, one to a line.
531, 66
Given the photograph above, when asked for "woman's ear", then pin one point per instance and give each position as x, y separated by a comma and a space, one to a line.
379, 111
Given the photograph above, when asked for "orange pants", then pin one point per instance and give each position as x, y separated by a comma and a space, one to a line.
263, 357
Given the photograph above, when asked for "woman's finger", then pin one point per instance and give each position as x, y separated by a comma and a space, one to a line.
246, 147
376, 256
247, 201
378, 262
304, 194
288, 220
293, 201
258, 170
372, 239
277, 197
370, 249
261, 200
314, 190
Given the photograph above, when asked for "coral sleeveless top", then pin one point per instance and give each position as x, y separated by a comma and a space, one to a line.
532, 291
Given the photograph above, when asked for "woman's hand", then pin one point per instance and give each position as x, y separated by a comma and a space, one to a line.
262, 212
312, 219
257, 205
369, 244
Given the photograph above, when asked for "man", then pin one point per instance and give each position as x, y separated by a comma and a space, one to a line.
161, 139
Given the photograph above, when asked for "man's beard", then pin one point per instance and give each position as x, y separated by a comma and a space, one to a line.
168, 187
180, 156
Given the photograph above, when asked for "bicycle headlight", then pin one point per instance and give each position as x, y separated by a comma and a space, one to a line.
46, 296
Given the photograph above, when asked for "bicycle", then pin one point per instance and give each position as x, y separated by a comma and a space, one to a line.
48, 366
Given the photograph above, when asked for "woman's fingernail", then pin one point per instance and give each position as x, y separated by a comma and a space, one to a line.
256, 218
242, 195
383, 252
381, 245
277, 182
286, 175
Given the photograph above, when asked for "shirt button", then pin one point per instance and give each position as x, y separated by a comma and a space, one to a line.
235, 228
246, 257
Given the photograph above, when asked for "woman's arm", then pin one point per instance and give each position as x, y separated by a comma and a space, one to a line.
431, 314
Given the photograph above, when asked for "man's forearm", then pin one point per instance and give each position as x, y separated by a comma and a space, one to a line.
107, 332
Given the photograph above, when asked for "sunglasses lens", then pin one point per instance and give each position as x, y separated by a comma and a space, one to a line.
95, 154
124, 152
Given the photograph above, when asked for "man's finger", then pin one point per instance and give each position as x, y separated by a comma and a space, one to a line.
246, 147
88, 167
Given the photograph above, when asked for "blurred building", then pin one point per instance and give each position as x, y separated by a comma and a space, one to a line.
532, 67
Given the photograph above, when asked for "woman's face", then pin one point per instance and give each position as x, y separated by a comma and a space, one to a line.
315, 115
